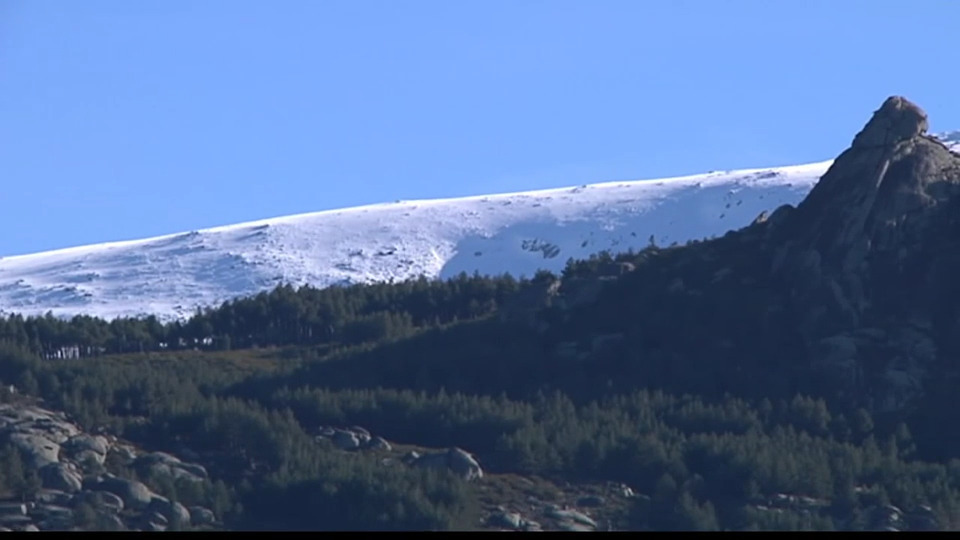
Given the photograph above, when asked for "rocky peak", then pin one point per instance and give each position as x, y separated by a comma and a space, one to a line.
896, 120
876, 194
871, 249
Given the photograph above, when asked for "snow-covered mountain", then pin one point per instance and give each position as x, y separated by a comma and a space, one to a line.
519, 233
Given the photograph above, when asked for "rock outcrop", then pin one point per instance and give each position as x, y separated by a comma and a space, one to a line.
852, 295
69, 465
868, 258
168, 465
459, 461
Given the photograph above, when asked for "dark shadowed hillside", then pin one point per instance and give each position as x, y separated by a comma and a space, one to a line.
851, 297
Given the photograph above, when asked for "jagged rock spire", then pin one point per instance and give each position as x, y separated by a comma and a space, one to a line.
896, 120
891, 173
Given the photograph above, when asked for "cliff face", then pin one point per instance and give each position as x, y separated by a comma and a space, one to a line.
869, 260
851, 295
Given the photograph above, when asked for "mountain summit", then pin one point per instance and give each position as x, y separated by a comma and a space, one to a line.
892, 174
518, 233
852, 294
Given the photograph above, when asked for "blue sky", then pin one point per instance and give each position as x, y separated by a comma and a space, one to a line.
123, 119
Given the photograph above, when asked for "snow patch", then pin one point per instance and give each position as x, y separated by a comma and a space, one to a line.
520, 233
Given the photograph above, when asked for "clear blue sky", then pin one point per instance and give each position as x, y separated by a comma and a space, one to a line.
130, 118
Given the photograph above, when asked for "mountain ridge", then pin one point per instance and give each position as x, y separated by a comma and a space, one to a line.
170, 276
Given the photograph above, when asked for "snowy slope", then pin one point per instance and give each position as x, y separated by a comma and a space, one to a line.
519, 233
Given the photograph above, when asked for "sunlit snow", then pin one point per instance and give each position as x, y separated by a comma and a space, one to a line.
519, 233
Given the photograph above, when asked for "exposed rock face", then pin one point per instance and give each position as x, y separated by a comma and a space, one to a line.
68, 463
40, 450
873, 243
379, 443
346, 440
460, 462
572, 520
202, 516
896, 120
135, 494
853, 295
173, 511
101, 499
60, 477
38, 433
463, 464
168, 465
352, 438
84, 447
510, 520
878, 190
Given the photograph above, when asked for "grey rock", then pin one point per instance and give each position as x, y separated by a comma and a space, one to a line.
361, 432
923, 518
411, 457
456, 460
13, 509
97, 444
897, 120
59, 476
51, 510
164, 464
127, 453
39, 450
571, 516
195, 469
135, 494
379, 443
431, 461
15, 520
530, 526
346, 440
53, 496
202, 516
155, 522
156, 517
157, 457
54, 517
511, 520
103, 500
620, 489
572, 526
84, 457
174, 512
37, 421
463, 464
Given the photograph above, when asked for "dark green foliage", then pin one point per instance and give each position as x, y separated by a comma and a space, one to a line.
709, 434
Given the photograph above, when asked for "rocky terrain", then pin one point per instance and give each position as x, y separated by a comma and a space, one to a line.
859, 279
528, 503
797, 373
75, 492
75, 489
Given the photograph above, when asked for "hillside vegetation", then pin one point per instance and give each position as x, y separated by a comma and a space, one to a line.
771, 379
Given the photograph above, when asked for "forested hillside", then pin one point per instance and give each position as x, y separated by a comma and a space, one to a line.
796, 374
